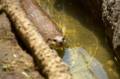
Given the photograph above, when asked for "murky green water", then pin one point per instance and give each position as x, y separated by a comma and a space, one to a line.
87, 54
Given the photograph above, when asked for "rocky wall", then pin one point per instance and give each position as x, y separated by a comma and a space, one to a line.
107, 11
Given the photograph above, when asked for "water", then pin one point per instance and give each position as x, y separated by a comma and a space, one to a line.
83, 65
87, 52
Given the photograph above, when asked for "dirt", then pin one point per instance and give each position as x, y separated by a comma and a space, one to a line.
16, 62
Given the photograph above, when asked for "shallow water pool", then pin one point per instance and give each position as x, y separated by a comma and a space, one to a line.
87, 53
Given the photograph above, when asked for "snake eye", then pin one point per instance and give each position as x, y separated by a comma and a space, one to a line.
54, 40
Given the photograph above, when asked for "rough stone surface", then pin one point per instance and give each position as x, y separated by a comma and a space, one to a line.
111, 18
107, 11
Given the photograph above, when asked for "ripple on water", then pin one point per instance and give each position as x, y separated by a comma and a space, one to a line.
82, 65
87, 62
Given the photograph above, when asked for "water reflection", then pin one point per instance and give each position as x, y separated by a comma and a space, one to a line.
82, 65
99, 62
